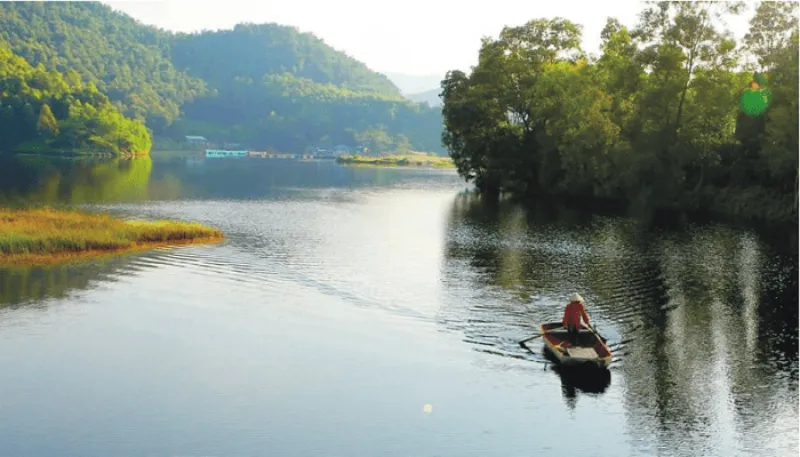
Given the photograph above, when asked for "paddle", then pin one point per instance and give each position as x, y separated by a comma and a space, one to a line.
522, 343
602, 338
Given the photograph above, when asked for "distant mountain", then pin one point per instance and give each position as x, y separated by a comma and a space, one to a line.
263, 85
431, 97
414, 84
273, 49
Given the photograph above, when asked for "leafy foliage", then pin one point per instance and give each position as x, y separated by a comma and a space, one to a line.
44, 110
124, 59
654, 119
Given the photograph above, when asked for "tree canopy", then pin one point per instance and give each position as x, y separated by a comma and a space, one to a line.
44, 111
653, 119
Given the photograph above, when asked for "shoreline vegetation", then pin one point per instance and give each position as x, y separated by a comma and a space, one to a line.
657, 120
80, 153
50, 112
398, 160
46, 235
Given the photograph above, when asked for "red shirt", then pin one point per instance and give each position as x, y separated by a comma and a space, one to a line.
573, 313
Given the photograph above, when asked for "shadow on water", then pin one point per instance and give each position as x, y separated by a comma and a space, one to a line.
34, 285
707, 312
590, 379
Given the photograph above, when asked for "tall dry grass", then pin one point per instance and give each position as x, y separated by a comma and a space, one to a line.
41, 234
398, 160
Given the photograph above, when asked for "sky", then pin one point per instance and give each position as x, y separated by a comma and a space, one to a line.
416, 37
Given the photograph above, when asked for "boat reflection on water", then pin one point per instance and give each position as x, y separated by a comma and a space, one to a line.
589, 379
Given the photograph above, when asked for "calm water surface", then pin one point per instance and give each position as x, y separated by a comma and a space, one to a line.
344, 300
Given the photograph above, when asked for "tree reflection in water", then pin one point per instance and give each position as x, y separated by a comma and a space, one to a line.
710, 309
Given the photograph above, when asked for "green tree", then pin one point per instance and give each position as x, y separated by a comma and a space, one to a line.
84, 119
654, 120
771, 32
47, 125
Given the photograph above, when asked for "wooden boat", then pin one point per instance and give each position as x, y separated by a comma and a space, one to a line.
590, 350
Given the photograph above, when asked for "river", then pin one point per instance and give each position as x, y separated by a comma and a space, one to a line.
367, 312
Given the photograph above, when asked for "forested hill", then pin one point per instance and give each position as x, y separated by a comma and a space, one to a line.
254, 50
261, 85
126, 60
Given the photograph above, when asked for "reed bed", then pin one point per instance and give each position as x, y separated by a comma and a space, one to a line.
45, 235
398, 160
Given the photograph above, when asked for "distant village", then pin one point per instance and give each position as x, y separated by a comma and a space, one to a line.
227, 149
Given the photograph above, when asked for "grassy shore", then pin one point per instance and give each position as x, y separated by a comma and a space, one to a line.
81, 153
399, 160
45, 235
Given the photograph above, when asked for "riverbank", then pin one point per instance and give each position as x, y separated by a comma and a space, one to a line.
741, 207
45, 235
398, 160
80, 153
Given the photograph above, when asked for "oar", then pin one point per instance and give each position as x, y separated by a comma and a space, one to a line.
602, 338
522, 343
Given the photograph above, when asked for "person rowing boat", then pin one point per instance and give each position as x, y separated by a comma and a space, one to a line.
573, 314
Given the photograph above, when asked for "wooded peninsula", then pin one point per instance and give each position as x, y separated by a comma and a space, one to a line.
655, 120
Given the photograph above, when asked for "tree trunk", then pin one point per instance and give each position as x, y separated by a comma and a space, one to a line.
702, 177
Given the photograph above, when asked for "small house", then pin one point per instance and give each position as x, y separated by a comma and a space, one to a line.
196, 140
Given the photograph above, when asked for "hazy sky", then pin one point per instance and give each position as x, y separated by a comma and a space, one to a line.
408, 36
